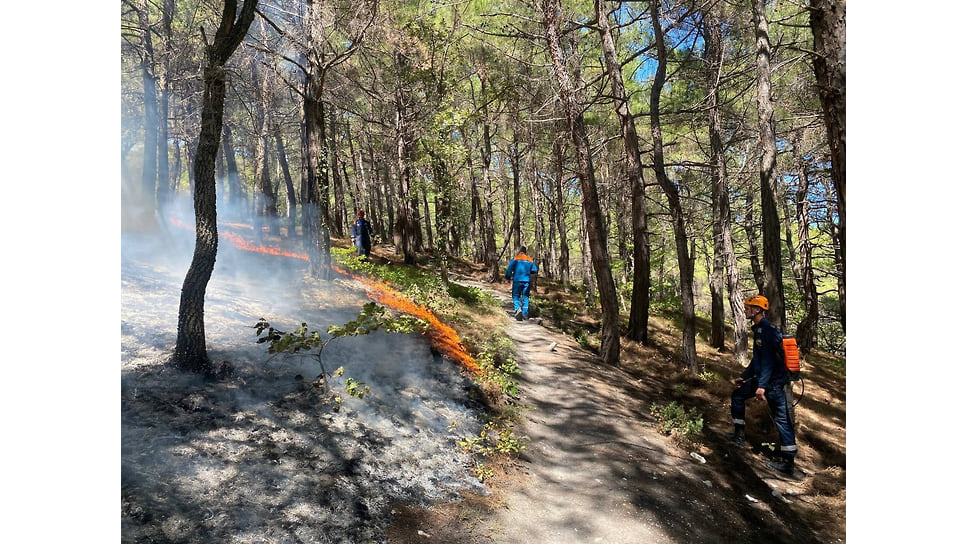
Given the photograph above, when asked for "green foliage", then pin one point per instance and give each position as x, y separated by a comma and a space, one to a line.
707, 376
500, 375
683, 425
372, 318
496, 438
471, 296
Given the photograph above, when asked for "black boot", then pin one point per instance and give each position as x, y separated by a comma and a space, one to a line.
738, 436
784, 465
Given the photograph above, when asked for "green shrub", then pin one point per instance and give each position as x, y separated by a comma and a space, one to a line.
681, 424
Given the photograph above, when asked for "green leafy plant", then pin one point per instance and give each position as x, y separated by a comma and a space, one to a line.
674, 420
496, 438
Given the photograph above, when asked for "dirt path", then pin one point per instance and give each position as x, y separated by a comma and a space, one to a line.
596, 470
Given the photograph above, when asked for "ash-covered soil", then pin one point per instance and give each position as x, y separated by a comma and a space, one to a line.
260, 456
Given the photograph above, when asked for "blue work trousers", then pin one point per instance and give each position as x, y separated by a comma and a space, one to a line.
519, 295
780, 411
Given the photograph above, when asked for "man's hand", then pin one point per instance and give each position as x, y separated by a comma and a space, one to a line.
761, 393
739, 381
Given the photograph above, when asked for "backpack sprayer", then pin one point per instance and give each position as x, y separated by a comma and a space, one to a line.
791, 356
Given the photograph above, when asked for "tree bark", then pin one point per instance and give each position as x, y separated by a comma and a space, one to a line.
291, 199
190, 350
685, 260
564, 259
638, 326
828, 21
610, 337
265, 196
807, 328
772, 247
406, 227
149, 171
232, 173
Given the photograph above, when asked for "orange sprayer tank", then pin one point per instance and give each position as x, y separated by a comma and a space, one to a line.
791, 354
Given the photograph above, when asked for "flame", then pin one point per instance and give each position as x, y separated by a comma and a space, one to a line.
442, 336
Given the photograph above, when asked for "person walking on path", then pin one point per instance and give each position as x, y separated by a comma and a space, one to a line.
520, 271
362, 233
767, 379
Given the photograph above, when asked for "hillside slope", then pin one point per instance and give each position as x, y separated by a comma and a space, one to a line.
597, 470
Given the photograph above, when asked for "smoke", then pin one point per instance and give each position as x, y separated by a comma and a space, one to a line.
261, 456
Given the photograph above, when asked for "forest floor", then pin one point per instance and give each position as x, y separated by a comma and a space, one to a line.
596, 469
260, 457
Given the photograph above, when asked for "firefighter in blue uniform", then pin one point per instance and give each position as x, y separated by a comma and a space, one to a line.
520, 271
767, 379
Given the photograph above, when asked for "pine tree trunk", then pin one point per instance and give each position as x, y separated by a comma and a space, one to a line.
290, 186
807, 328
638, 326
828, 21
149, 171
597, 241
772, 247
232, 173
685, 260
712, 34
564, 259
190, 350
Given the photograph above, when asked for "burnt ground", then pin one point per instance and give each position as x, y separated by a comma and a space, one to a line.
261, 457
597, 470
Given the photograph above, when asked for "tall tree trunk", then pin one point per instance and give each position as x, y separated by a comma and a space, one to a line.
712, 35
638, 327
685, 260
164, 191
232, 173
807, 328
190, 350
720, 201
772, 247
265, 197
290, 186
406, 227
564, 271
486, 209
610, 337
149, 171
828, 21
515, 160
339, 214
752, 236
839, 263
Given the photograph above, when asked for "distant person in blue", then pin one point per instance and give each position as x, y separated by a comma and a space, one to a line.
362, 233
520, 271
767, 379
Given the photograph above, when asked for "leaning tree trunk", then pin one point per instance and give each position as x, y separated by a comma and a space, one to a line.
638, 328
190, 352
828, 20
610, 336
685, 260
772, 246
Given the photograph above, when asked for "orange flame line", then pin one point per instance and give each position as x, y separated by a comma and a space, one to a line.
442, 336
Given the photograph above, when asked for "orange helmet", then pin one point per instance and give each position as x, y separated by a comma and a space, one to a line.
757, 300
